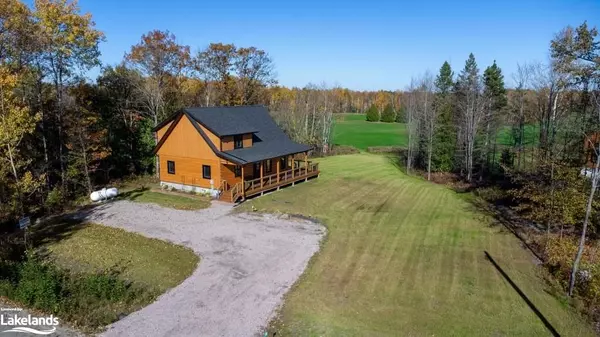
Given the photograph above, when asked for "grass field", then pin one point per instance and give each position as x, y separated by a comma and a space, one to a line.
176, 200
158, 264
406, 257
354, 130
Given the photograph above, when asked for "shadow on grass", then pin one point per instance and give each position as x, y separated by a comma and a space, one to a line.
532, 306
504, 217
59, 227
133, 194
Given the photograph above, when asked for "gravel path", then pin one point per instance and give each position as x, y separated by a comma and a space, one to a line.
248, 263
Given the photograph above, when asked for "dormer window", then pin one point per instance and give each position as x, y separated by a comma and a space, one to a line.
238, 142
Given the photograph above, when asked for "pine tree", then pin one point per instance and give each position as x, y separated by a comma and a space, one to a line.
471, 113
388, 115
496, 101
445, 137
373, 114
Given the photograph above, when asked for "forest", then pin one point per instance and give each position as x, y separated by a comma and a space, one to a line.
63, 135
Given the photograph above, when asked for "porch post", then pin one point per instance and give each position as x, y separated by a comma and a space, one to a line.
261, 174
306, 162
243, 183
293, 166
278, 163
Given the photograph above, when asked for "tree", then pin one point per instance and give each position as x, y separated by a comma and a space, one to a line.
86, 137
254, 70
428, 115
388, 115
444, 142
160, 60
495, 99
577, 53
373, 114
15, 123
69, 42
518, 107
471, 110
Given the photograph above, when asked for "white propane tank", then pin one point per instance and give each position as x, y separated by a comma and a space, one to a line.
103, 194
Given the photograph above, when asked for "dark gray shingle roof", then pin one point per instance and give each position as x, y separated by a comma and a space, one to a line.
269, 140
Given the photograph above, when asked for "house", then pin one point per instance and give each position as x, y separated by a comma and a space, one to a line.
234, 152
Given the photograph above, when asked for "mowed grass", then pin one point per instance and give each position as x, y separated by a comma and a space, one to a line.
153, 263
354, 130
176, 200
404, 257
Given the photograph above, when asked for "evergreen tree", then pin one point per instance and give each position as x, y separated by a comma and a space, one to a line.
471, 114
445, 137
388, 115
495, 96
401, 114
373, 114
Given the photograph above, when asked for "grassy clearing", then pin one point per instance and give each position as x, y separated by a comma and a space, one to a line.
404, 256
176, 200
146, 189
153, 263
354, 130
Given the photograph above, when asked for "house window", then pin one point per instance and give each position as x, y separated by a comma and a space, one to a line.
237, 170
206, 171
268, 166
171, 167
238, 142
283, 162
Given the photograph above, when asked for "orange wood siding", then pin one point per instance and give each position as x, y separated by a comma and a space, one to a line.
161, 132
228, 174
227, 143
213, 138
247, 140
189, 151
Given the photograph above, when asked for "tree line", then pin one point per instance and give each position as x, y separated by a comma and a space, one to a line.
538, 142
62, 135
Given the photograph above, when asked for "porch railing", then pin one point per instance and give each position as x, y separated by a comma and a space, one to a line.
281, 178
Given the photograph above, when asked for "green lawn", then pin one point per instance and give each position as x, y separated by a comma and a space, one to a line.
354, 130
175, 200
158, 264
531, 135
406, 257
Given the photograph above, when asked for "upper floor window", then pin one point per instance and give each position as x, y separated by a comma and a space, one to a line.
238, 142
171, 167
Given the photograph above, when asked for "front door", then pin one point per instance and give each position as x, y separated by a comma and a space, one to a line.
256, 170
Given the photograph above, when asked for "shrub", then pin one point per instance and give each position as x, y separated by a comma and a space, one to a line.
373, 114
559, 255
54, 200
342, 149
89, 300
491, 194
386, 149
388, 115
39, 286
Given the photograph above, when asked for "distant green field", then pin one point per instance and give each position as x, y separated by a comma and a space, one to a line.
531, 134
354, 130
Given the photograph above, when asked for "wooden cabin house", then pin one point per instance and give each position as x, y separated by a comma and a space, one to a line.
233, 152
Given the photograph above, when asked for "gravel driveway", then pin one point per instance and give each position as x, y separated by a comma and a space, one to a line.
248, 263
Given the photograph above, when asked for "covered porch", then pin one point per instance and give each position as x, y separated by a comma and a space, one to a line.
270, 174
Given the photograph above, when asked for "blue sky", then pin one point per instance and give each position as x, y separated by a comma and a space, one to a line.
367, 45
